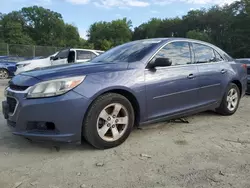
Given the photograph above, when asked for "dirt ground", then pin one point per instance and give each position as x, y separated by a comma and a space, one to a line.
210, 151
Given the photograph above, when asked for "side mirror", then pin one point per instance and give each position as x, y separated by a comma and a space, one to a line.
160, 62
53, 58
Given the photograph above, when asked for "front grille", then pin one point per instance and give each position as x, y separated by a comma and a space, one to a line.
18, 88
12, 104
248, 70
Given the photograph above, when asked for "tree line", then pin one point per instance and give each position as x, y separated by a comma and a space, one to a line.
226, 26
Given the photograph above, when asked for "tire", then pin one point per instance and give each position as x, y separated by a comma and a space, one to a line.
224, 108
4, 74
101, 118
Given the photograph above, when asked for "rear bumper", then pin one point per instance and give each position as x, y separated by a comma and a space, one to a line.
248, 85
64, 112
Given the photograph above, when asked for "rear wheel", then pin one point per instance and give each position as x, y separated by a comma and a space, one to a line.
4, 74
230, 101
109, 121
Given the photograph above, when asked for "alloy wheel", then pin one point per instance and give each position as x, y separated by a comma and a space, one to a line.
112, 122
3, 74
232, 99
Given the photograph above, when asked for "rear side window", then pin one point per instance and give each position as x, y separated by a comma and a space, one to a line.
85, 55
204, 54
177, 52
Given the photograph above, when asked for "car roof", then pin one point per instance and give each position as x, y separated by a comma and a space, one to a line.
169, 39
85, 49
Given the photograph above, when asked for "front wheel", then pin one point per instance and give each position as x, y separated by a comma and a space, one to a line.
4, 74
230, 101
109, 121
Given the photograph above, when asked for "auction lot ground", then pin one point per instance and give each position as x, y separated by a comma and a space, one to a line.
210, 151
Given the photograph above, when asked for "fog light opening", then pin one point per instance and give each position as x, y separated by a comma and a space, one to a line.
50, 126
44, 126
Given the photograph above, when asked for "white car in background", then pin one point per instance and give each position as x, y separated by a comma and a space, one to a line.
65, 56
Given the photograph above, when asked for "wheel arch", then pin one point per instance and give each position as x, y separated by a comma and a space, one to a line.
4, 68
239, 85
127, 93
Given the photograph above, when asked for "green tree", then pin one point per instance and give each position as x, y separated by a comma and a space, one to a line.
105, 45
13, 28
13, 34
147, 30
1, 28
194, 20
171, 28
225, 26
71, 36
85, 44
44, 26
198, 36
116, 32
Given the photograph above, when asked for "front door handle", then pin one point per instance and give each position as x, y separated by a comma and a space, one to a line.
191, 76
223, 71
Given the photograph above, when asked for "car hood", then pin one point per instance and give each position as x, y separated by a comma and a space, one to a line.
44, 60
7, 63
63, 71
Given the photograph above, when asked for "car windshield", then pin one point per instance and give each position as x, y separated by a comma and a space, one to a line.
49, 55
129, 52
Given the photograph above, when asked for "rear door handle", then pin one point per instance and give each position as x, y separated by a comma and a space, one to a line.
223, 71
191, 76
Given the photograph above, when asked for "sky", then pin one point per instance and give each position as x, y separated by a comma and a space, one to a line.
82, 13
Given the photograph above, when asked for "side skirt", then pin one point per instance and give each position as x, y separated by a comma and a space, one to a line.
181, 114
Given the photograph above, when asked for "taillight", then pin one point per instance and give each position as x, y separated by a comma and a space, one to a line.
244, 66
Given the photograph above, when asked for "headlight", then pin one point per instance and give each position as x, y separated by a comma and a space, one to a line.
22, 65
54, 87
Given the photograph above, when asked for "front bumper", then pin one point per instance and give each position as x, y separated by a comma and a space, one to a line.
65, 112
20, 70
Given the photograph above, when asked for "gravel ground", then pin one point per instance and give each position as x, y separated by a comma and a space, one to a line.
210, 151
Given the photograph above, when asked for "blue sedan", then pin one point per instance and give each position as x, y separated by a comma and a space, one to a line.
134, 84
7, 66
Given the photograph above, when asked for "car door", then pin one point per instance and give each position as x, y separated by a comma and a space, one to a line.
211, 73
84, 56
61, 57
172, 89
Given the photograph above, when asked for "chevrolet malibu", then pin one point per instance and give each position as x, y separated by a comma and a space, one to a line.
134, 84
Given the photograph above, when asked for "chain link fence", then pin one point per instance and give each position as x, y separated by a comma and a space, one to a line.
27, 50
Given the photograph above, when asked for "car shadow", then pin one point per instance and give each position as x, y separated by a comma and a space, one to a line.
13, 142
179, 121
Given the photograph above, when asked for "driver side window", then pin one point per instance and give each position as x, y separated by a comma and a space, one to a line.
177, 52
62, 54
